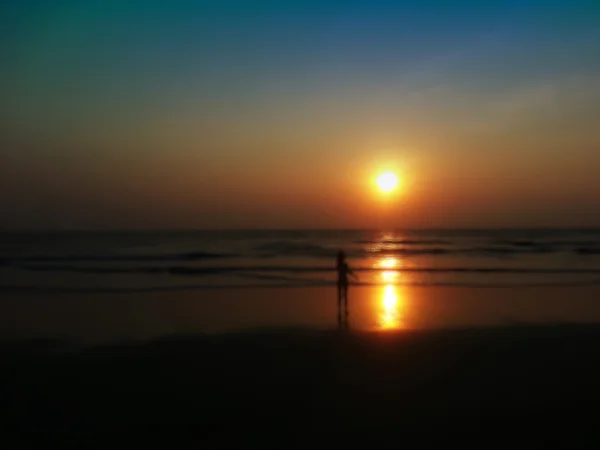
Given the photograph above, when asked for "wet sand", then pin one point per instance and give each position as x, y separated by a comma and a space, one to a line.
93, 318
266, 368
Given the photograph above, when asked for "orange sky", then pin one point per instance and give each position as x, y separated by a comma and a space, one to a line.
281, 117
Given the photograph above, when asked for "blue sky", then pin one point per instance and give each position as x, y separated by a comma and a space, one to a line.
105, 101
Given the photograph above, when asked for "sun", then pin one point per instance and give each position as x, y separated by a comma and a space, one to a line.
387, 181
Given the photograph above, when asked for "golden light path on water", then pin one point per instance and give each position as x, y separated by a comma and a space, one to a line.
390, 303
390, 317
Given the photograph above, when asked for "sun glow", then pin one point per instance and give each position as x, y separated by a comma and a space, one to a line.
387, 181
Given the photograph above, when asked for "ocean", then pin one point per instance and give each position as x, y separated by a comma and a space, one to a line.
187, 260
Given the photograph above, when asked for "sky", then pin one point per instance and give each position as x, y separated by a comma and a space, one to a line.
173, 114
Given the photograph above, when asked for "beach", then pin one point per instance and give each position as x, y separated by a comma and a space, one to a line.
103, 318
169, 339
300, 224
518, 386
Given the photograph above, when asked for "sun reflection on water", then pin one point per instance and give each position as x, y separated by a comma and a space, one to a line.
390, 309
388, 262
389, 266
389, 305
389, 276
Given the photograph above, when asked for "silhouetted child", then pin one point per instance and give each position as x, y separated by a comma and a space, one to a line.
343, 270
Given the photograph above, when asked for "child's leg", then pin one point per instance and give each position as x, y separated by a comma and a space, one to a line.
346, 299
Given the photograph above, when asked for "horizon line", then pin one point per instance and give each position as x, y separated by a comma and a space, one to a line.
293, 229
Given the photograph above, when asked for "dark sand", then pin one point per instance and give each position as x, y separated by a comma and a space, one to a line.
517, 387
167, 368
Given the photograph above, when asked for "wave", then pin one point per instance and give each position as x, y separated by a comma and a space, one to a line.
555, 243
278, 248
96, 270
194, 271
588, 251
429, 247
522, 249
413, 251
404, 241
189, 256
463, 251
508, 251
33, 289
518, 243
